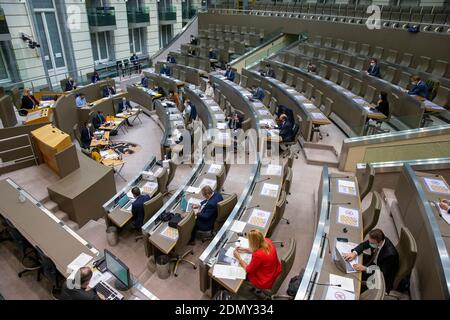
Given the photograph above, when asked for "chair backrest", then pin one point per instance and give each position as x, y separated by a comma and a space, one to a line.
246, 124
220, 179
16, 98
318, 95
287, 181
378, 290
152, 206
299, 84
440, 68
370, 95
328, 107
372, 213
286, 264
365, 181
48, 267
172, 170
77, 133
273, 104
442, 97
185, 228
407, 252
162, 180
309, 90
279, 212
224, 209
290, 159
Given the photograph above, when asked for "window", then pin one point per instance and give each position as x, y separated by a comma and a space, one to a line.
4, 75
137, 39
165, 35
100, 46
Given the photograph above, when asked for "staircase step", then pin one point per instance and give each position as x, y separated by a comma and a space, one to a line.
61, 215
51, 206
72, 225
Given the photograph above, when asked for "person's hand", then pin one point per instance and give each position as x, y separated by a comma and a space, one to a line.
236, 254
195, 206
350, 256
359, 267
444, 205
101, 296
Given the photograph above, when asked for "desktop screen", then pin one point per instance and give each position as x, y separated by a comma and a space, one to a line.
117, 268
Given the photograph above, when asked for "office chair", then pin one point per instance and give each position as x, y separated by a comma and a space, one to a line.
185, 228
151, 207
286, 146
224, 209
372, 213
287, 182
378, 290
48, 270
220, 180
172, 170
365, 181
279, 212
162, 181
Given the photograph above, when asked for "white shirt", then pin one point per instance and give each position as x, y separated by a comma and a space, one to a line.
209, 91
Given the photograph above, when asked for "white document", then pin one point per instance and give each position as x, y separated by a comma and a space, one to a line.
437, 185
215, 108
238, 226
228, 272
149, 187
208, 182
263, 112
170, 233
445, 215
270, 190
219, 116
259, 218
243, 242
334, 293
348, 216
221, 125
192, 189
191, 202
309, 106
273, 170
215, 168
267, 123
346, 283
97, 276
80, 261
347, 187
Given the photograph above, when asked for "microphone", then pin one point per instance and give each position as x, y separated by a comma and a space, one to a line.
262, 180
326, 284
257, 206
232, 242
328, 240
340, 203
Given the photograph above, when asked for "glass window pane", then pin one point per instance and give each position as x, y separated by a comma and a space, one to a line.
94, 46
44, 43
102, 42
43, 3
137, 40
130, 37
56, 40
3, 70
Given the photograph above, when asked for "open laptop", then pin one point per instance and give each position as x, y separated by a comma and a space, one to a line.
340, 262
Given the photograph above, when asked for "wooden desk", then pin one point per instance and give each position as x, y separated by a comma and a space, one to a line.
38, 116
103, 142
115, 126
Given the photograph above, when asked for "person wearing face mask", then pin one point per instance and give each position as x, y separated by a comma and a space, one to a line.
28, 100
207, 213
95, 77
383, 254
108, 91
165, 70
86, 135
374, 69
70, 85
419, 87
124, 104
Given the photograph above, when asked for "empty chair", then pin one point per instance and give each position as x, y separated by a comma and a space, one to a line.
244, 80
185, 228
339, 44
224, 209
322, 54
405, 79
318, 41
334, 57
217, 94
357, 86
440, 68
223, 101
311, 52
299, 84
442, 97
172, 170
424, 64
323, 70
377, 292
370, 95
365, 49
389, 74
327, 107
352, 47
279, 74
392, 56
279, 212
334, 75
346, 59
273, 104
318, 96
371, 215
151, 207
267, 97
360, 64
327, 43
377, 53
220, 180
407, 253
346, 81
406, 60
289, 79
162, 180
309, 90
365, 181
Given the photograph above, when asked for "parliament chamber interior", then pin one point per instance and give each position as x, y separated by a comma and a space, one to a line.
224, 150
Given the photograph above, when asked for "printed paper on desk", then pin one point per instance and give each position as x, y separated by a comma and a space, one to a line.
192, 189
347, 187
228, 272
97, 276
348, 216
259, 218
215, 108
215, 168
436, 185
238, 226
219, 116
334, 293
170, 233
270, 190
309, 106
263, 112
445, 215
273, 170
221, 125
80, 261
191, 202
149, 187
243, 242
346, 283
359, 101
208, 182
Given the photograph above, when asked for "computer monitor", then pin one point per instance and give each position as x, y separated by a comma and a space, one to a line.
123, 200
184, 204
119, 270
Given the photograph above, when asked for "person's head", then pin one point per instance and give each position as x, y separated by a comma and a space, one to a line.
171, 93
164, 65
257, 241
268, 66
376, 238
87, 124
207, 192
95, 73
97, 150
192, 36
70, 79
81, 95
283, 118
373, 61
228, 67
85, 276
124, 99
187, 101
26, 91
383, 95
100, 112
136, 192
415, 80
142, 75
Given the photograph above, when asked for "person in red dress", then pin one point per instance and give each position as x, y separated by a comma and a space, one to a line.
264, 267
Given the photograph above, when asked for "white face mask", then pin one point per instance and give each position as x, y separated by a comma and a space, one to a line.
372, 64
30, 93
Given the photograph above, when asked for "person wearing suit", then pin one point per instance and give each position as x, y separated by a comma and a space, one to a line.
108, 91
419, 87
123, 105
190, 111
70, 85
165, 70
137, 208
382, 104
28, 100
144, 80
194, 40
235, 121
286, 129
95, 77
229, 74
207, 214
80, 101
134, 59
86, 135
98, 120
269, 72
383, 254
444, 204
258, 93
374, 69
82, 291
171, 59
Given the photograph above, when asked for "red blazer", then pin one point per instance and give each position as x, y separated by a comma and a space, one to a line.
264, 268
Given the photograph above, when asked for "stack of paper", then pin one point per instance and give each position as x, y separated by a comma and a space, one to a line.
437, 185
149, 187
347, 187
270, 190
208, 182
273, 170
170, 233
238, 226
80, 261
228, 272
215, 168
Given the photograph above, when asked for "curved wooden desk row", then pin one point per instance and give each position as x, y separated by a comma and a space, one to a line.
183, 72
254, 195
302, 108
44, 230
203, 51
165, 82
417, 194
197, 62
332, 225
352, 111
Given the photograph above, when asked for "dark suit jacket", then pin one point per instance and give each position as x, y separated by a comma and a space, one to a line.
97, 121
259, 94
122, 107
229, 74
70, 86
383, 107
420, 89
286, 131
374, 71
165, 71
108, 90
134, 60
28, 102
144, 82
235, 124
77, 294
208, 215
270, 73
387, 260
137, 209
95, 79
86, 137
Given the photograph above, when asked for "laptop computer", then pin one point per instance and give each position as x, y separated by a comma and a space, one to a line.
340, 262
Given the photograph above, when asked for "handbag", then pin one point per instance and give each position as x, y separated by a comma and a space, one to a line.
176, 218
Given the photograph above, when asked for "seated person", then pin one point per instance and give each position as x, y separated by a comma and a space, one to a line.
70, 84
209, 91
165, 70
207, 214
95, 77
134, 59
193, 40
235, 121
312, 67
382, 104
190, 111
374, 69
80, 291
98, 120
269, 72
174, 97
229, 74
419, 87
108, 91
137, 208
28, 100
160, 90
282, 109
144, 80
383, 254
258, 92
171, 59
264, 267
191, 51
211, 54
286, 129
80, 101
95, 154
444, 204
86, 135
124, 104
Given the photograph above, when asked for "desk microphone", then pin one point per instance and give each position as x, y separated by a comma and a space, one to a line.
345, 177
257, 206
340, 203
328, 240
326, 284
232, 242
265, 179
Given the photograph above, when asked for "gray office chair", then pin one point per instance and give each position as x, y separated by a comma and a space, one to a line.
151, 207
171, 175
220, 180
185, 228
162, 181
286, 146
48, 269
378, 290
224, 209
279, 212
372, 213
287, 182
365, 181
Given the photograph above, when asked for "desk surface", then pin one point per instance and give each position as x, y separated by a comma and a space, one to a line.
117, 123
102, 142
